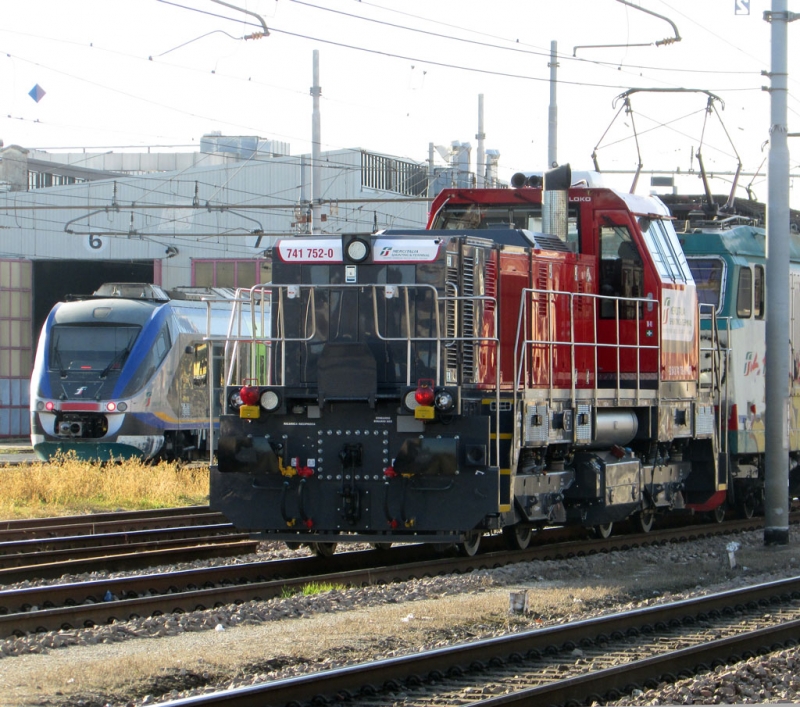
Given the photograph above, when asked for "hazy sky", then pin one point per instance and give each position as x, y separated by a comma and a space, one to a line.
397, 75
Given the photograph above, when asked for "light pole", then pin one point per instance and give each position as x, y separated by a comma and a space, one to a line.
777, 419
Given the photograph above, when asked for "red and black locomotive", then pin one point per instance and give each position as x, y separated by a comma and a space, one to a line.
504, 370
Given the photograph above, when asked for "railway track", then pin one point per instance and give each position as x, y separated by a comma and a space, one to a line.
596, 660
63, 526
102, 601
50, 547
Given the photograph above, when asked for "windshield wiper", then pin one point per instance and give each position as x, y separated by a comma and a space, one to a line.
57, 358
118, 359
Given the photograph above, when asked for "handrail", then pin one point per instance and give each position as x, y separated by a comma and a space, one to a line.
271, 296
524, 341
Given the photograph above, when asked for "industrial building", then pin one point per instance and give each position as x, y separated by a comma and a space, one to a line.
207, 218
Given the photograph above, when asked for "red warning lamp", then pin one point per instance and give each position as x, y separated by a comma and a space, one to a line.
424, 394
250, 395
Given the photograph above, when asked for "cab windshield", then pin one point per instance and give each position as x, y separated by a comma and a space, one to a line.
91, 348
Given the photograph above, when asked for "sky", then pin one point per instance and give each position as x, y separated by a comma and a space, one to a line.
399, 75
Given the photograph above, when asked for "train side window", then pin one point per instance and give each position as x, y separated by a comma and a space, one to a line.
200, 365
744, 293
758, 292
151, 362
621, 271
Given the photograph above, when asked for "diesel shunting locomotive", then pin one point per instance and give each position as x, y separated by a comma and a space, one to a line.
536, 357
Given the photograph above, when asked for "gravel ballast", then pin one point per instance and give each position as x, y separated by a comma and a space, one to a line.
155, 659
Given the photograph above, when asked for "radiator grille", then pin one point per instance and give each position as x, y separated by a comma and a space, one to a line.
451, 318
468, 316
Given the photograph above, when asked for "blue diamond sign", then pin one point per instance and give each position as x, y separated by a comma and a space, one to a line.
37, 93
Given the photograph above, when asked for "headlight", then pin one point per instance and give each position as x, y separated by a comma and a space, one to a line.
357, 250
443, 400
270, 400
410, 400
235, 400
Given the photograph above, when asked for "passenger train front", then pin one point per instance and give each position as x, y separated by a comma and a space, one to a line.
123, 373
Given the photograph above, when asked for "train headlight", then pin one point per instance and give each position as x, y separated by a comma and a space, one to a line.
249, 394
410, 399
40, 405
270, 400
235, 400
122, 407
357, 250
111, 407
443, 400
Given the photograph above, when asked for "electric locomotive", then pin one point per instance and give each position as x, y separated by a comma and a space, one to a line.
488, 375
125, 373
727, 259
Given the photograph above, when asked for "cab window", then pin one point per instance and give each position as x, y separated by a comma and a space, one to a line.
744, 293
709, 276
758, 292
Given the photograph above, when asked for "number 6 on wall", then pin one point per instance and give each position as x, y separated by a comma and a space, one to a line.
95, 244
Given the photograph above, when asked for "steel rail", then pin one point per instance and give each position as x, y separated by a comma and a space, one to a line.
265, 580
367, 677
134, 557
43, 550
88, 525
150, 514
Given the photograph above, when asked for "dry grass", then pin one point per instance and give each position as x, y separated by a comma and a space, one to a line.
69, 486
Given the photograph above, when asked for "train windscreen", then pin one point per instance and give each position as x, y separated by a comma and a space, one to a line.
708, 275
91, 348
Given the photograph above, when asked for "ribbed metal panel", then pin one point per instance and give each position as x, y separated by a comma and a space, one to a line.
451, 318
468, 317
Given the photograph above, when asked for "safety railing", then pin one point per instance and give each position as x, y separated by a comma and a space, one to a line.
547, 303
591, 341
715, 357
251, 324
257, 335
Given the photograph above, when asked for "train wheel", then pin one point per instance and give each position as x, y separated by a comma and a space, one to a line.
604, 530
383, 547
323, 549
471, 543
746, 507
718, 514
517, 537
645, 520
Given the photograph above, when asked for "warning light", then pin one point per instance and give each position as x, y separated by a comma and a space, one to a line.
249, 394
424, 394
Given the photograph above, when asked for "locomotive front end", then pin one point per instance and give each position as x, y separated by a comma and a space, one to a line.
344, 417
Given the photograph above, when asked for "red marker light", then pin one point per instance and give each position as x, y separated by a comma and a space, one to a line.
249, 395
389, 472
49, 405
424, 394
111, 407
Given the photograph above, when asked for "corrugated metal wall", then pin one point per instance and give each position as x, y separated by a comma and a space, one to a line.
16, 353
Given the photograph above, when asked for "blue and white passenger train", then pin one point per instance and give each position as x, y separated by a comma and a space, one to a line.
124, 373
